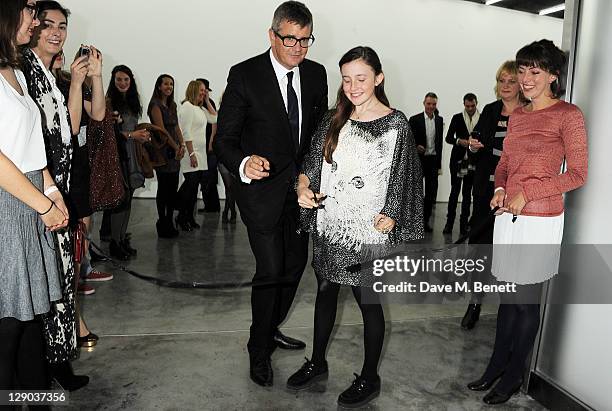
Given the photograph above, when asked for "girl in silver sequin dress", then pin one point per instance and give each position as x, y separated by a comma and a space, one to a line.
360, 185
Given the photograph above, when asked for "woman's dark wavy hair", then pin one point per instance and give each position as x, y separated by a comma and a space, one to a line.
344, 108
548, 57
130, 101
10, 21
43, 6
157, 95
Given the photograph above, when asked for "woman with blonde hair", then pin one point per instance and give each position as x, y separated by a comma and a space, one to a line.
192, 121
486, 142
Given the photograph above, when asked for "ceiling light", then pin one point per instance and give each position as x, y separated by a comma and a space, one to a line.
489, 2
553, 9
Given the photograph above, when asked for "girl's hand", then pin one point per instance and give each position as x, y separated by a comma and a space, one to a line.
384, 224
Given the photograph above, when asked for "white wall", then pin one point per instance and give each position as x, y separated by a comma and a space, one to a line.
447, 46
574, 352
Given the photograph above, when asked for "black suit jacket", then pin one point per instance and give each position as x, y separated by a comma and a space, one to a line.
457, 130
253, 120
417, 124
484, 159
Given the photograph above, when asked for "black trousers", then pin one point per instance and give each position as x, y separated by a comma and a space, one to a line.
466, 196
167, 185
480, 214
430, 174
22, 355
281, 255
188, 195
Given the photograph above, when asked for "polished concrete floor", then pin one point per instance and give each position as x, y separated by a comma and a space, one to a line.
184, 349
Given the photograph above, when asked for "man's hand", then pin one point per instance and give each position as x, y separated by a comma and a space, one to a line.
463, 142
257, 168
474, 144
420, 149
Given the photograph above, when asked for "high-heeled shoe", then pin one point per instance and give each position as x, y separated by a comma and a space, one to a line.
116, 251
90, 340
224, 217
194, 225
232, 219
64, 375
166, 229
483, 384
495, 397
182, 224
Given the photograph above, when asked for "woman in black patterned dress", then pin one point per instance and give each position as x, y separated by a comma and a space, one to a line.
360, 184
48, 41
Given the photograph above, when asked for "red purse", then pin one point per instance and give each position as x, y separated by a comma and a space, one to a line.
79, 242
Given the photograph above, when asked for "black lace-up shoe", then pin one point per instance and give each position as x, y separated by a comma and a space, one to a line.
361, 392
307, 376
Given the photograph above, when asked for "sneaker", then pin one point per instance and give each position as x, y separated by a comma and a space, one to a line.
361, 392
97, 276
308, 375
85, 289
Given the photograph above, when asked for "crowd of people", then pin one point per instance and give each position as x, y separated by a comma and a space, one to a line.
361, 173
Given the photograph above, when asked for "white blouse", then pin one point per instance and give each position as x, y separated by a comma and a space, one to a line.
21, 139
192, 121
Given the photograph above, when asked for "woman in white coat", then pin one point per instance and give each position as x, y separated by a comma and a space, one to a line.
193, 118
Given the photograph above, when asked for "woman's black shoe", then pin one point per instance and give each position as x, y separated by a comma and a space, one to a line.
94, 257
183, 224
495, 397
194, 225
88, 341
307, 376
483, 384
471, 317
128, 248
224, 217
116, 251
232, 219
165, 229
64, 375
361, 392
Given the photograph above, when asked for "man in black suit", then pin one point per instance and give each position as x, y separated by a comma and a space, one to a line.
427, 128
461, 170
270, 108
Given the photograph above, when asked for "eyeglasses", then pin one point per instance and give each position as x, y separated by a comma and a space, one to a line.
290, 41
32, 9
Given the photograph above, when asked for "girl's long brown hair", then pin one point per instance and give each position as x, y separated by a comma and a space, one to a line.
344, 107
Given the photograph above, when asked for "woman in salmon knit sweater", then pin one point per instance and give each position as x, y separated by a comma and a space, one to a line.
529, 191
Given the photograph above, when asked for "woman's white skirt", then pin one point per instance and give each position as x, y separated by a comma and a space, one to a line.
528, 250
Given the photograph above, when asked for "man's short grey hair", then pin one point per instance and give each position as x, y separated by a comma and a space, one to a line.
431, 94
294, 12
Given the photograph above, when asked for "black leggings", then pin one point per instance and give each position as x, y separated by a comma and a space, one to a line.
167, 185
188, 195
22, 355
325, 317
517, 327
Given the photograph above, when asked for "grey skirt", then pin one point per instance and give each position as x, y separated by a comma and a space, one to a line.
29, 276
